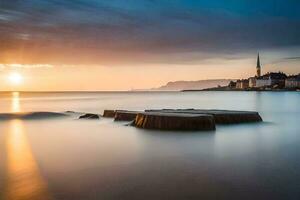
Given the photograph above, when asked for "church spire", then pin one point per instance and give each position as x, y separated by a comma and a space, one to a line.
258, 67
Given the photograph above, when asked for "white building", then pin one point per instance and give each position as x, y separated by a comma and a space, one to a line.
271, 79
293, 82
252, 82
263, 82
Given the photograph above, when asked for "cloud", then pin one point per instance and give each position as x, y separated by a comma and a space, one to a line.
293, 58
24, 66
115, 31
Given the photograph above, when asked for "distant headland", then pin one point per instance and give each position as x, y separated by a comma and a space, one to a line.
193, 85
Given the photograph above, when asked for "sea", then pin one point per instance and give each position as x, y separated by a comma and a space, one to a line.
70, 159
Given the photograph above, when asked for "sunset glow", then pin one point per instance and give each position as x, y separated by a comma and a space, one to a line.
113, 45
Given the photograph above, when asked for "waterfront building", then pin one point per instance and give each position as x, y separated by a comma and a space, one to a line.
238, 84
252, 82
242, 84
232, 84
293, 81
271, 79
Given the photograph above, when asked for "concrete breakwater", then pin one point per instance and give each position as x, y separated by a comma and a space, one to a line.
220, 116
183, 119
120, 115
125, 115
174, 121
109, 113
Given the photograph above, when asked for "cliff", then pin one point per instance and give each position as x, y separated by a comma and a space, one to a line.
192, 85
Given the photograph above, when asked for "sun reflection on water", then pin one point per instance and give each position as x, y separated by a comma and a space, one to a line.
15, 103
24, 181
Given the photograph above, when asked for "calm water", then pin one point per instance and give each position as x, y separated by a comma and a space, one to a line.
71, 159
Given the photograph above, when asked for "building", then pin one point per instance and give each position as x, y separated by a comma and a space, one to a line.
271, 79
242, 84
258, 67
293, 81
232, 84
263, 81
275, 80
252, 82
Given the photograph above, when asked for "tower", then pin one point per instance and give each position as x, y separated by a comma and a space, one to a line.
258, 67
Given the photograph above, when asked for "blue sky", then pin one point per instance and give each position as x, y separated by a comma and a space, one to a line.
134, 31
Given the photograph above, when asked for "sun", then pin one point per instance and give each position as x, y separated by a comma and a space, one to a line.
15, 78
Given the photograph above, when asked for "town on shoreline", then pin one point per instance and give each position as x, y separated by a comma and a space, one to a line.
271, 81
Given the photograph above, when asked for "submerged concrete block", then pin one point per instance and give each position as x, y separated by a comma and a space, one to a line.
230, 117
220, 116
174, 121
125, 115
109, 113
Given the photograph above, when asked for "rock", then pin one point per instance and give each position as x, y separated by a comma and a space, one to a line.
220, 116
174, 121
31, 115
89, 116
74, 113
71, 112
109, 113
125, 115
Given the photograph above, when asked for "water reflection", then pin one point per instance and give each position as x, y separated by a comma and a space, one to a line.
24, 181
15, 102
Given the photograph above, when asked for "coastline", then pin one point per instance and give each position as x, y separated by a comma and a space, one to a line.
224, 89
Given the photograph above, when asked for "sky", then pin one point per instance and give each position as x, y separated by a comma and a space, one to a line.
133, 44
